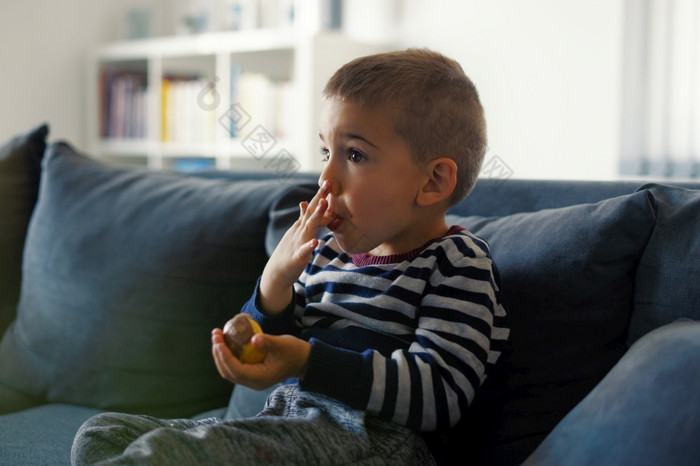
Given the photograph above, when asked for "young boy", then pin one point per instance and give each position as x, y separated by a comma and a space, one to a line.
380, 330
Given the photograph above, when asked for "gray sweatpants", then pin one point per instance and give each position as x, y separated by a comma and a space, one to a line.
295, 428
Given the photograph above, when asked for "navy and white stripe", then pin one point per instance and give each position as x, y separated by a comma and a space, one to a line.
408, 341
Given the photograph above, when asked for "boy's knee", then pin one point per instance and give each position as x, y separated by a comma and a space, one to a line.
107, 434
103, 420
104, 424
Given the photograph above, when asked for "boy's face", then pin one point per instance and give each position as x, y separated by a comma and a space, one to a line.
373, 181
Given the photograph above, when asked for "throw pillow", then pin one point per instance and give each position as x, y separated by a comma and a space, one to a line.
668, 274
20, 169
568, 280
126, 271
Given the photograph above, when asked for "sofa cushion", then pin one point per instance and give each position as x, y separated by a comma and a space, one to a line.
645, 412
41, 435
568, 280
668, 274
126, 272
20, 169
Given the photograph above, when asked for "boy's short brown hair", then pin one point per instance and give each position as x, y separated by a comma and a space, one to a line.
435, 106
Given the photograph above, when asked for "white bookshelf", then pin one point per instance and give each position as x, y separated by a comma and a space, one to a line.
210, 61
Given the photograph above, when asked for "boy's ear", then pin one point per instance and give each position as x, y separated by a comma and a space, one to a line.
440, 182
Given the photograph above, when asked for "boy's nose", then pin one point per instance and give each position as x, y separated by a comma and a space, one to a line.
327, 175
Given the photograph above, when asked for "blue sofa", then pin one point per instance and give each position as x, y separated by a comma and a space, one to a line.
111, 279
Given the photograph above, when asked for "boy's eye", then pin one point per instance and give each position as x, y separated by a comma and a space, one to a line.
355, 156
325, 154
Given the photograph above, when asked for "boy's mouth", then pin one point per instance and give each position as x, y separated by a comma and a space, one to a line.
333, 225
334, 220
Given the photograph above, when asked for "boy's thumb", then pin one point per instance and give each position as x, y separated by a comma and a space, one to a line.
259, 341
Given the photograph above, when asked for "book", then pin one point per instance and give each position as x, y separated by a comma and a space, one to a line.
123, 101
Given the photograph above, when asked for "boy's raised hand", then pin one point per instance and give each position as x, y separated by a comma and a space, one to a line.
293, 252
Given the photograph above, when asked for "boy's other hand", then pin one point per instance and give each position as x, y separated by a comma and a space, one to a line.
293, 252
287, 357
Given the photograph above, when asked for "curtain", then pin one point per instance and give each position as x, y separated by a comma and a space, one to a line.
661, 89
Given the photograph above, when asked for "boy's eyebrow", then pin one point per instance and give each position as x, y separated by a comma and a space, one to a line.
352, 136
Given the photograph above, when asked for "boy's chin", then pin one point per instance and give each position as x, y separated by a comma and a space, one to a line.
354, 245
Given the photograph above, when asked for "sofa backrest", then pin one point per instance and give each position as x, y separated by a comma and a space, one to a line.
493, 197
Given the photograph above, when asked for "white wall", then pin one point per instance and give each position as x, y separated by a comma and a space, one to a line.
548, 72
43, 47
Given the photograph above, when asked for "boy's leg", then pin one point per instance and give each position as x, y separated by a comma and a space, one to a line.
646, 411
108, 435
328, 432
295, 428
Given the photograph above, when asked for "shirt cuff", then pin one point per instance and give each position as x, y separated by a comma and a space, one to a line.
278, 324
339, 373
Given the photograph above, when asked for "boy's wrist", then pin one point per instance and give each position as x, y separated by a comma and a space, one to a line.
273, 301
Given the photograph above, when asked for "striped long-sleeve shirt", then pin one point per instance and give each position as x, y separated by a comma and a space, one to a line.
408, 337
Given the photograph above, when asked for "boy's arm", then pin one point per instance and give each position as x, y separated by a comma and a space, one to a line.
287, 356
292, 254
280, 323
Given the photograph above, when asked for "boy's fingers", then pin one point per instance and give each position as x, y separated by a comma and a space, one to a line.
225, 362
217, 336
311, 218
311, 245
303, 254
318, 212
260, 342
219, 362
326, 219
320, 194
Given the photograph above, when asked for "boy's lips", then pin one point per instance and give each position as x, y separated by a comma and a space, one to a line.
333, 225
335, 220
